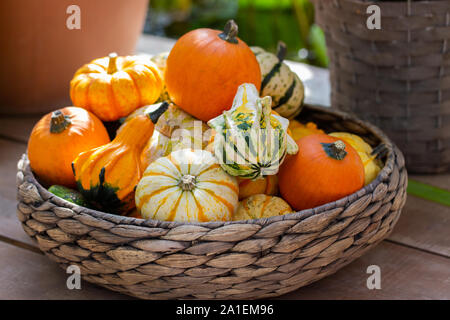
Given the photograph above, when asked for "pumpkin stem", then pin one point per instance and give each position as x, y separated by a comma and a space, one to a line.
112, 66
230, 32
59, 122
187, 182
335, 150
281, 50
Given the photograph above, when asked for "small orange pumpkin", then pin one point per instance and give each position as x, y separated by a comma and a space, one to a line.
205, 68
113, 87
325, 169
265, 185
58, 138
107, 176
300, 130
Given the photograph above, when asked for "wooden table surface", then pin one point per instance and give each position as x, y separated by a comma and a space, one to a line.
414, 261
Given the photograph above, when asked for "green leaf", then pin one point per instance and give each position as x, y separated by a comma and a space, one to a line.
428, 192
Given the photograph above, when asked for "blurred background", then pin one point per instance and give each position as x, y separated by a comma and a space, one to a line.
261, 23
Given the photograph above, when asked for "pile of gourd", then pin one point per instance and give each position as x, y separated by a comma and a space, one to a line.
204, 135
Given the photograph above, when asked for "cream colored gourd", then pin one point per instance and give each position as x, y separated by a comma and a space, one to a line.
188, 185
280, 82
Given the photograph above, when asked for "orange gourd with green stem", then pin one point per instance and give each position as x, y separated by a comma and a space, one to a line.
112, 87
205, 68
324, 170
58, 138
107, 175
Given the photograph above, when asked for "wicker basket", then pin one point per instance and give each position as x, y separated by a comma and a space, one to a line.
219, 260
398, 77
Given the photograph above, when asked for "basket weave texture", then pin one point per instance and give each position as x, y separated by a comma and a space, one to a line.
397, 77
219, 260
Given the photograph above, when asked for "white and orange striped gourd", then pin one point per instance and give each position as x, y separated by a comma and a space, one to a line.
187, 185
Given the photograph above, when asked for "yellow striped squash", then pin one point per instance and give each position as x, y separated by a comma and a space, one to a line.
187, 185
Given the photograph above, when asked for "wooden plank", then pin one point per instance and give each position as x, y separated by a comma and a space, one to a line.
17, 128
425, 225
405, 274
438, 180
27, 275
10, 227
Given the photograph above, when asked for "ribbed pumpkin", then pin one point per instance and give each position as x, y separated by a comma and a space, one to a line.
188, 185
261, 206
324, 170
372, 166
107, 175
280, 82
250, 140
112, 87
58, 138
263, 185
205, 68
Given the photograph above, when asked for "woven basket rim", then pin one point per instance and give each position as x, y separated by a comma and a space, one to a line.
382, 176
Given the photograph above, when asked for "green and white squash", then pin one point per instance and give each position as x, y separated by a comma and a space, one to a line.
280, 82
250, 140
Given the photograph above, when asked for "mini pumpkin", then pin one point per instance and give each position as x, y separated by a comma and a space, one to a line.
324, 170
264, 185
205, 68
250, 140
372, 166
107, 175
300, 130
188, 185
261, 206
112, 87
58, 138
279, 81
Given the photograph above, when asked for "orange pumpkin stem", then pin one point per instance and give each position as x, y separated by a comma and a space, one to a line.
59, 122
112, 66
230, 32
335, 150
187, 182
281, 50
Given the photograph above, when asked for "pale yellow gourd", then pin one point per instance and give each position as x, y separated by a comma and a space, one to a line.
261, 206
372, 166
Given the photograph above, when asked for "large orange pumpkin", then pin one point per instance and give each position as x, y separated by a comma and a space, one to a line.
112, 87
58, 138
205, 68
324, 170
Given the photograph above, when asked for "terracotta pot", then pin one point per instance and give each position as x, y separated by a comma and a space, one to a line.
40, 54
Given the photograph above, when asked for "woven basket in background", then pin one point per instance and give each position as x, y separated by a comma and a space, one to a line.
260, 258
397, 77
